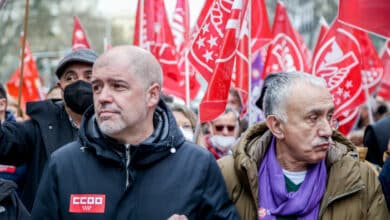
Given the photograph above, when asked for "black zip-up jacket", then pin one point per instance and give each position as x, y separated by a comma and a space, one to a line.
96, 178
11, 208
33, 141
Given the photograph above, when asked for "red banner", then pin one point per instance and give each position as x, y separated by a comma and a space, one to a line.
384, 91
373, 16
79, 39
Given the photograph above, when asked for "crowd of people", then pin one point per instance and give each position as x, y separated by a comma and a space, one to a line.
107, 144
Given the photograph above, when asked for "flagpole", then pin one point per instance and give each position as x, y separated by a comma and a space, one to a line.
141, 19
249, 99
24, 38
187, 78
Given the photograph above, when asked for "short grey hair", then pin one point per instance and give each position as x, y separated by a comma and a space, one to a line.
278, 88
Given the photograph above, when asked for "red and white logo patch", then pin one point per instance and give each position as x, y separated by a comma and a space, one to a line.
262, 212
87, 203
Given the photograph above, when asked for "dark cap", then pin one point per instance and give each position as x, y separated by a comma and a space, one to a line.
83, 55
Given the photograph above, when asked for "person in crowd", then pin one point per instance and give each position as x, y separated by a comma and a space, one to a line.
52, 123
384, 176
186, 120
224, 131
54, 92
234, 101
295, 165
15, 110
131, 160
376, 137
11, 207
10, 169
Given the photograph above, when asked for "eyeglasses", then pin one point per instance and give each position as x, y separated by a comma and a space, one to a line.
220, 128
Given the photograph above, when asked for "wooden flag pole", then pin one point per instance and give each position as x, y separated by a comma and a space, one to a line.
24, 38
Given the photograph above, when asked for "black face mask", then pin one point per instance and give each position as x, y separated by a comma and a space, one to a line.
78, 96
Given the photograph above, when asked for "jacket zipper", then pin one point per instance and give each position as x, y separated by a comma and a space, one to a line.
127, 146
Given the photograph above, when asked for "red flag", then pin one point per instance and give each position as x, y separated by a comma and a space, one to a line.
338, 62
181, 24
368, 15
215, 99
202, 15
347, 120
372, 66
287, 51
158, 39
384, 91
240, 77
79, 38
32, 87
207, 45
260, 30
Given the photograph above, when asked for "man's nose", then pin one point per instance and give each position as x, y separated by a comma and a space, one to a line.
326, 128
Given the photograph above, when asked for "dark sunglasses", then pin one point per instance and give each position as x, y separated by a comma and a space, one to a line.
220, 128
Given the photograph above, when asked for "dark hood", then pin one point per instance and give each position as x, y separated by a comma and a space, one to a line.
6, 188
165, 137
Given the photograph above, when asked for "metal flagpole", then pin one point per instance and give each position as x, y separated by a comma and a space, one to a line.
141, 21
249, 100
187, 79
24, 38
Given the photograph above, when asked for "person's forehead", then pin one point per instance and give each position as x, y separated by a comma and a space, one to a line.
226, 118
306, 97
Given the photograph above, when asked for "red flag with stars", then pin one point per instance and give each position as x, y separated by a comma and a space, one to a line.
79, 38
207, 45
338, 61
287, 51
32, 87
215, 99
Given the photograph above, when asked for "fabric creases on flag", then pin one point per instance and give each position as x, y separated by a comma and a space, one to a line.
372, 16
79, 37
207, 45
338, 61
384, 90
215, 98
287, 51
153, 33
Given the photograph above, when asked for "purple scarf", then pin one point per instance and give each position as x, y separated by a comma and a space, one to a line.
274, 200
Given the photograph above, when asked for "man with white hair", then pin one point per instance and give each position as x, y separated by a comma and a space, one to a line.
131, 160
295, 165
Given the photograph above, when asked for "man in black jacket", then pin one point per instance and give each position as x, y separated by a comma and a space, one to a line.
51, 124
131, 160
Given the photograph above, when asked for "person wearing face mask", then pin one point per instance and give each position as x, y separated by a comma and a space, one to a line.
223, 133
52, 122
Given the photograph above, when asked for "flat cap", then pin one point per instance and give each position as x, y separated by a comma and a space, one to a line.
83, 55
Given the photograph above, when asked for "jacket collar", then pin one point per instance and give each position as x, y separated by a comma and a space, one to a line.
253, 145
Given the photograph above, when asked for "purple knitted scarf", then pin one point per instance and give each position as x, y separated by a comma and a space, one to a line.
274, 200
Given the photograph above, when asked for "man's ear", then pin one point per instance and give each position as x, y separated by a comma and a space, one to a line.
153, 94
275, 125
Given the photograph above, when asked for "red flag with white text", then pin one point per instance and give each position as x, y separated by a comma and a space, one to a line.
181, 24
287, 51
372, 66
215, 98
372, 16
79, 37
32, 86
384, 91
260, 28
338, 61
